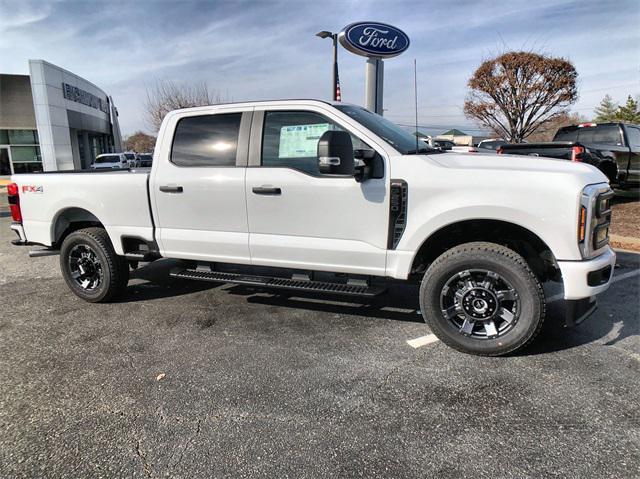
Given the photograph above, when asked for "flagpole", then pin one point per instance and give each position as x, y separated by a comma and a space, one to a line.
337, 96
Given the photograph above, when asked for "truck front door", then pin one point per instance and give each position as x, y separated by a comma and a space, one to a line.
197, 186
300, 218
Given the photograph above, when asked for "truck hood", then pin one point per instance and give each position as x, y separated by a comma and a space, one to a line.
519, 164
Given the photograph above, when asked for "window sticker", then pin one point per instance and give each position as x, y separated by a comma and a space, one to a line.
300, 141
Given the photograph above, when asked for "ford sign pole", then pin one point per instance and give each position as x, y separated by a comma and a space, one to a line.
376, 41
374, 84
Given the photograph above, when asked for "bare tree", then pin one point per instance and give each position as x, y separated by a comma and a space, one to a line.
167, 95
139, 142
518, 92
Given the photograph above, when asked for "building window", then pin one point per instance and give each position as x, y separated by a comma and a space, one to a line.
26, 159
4, 137
23, 137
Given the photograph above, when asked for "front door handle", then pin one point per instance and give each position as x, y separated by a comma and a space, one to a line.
171, 189
266, 190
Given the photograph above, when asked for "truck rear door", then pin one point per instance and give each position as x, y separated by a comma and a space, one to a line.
198, 185
609, 141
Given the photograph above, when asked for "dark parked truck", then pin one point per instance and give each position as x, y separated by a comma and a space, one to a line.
614, 148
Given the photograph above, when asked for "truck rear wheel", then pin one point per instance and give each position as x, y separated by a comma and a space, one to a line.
91, 267
482, 298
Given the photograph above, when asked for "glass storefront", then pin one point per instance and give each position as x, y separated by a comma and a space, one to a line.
19, 152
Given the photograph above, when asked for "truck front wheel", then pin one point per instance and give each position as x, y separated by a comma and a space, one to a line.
482, 298
91, 267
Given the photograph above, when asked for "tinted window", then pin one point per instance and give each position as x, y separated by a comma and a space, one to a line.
566, 135
290, 139
210, 140
603, 134
634, 136
108, 159
130, 156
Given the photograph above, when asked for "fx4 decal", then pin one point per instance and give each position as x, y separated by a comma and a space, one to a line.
32, 189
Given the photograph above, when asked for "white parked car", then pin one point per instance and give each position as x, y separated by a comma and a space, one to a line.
335, 199
110, 161
132, 159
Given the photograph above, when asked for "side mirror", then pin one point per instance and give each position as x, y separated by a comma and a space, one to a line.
335, 153
369, 164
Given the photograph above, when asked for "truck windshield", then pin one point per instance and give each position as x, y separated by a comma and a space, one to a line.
107, 159
400, 139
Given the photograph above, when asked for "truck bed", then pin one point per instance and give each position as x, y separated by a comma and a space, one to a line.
557, 149
117, 199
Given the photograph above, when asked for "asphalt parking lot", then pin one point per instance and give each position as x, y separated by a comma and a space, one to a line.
264, 384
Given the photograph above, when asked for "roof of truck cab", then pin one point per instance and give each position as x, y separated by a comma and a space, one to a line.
293, 101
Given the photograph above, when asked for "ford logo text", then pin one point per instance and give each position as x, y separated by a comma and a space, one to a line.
371, 39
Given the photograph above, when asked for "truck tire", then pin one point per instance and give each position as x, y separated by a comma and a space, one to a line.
483, 299
91, 267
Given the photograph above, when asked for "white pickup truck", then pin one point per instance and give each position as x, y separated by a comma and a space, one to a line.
333, 198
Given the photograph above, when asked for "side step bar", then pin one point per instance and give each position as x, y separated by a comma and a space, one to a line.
280, 283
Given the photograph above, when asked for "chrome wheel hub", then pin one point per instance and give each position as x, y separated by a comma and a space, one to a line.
480, 304
85, 267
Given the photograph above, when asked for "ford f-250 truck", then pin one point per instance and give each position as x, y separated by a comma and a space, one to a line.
331, 197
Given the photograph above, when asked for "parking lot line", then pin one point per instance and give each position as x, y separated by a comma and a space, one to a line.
431, 338
422, 340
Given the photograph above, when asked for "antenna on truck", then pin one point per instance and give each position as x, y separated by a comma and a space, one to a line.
415, 91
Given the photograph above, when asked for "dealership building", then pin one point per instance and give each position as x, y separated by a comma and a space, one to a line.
54, 120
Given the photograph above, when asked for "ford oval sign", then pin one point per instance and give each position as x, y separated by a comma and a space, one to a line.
372, 39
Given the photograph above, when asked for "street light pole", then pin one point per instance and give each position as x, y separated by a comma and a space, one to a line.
336, 82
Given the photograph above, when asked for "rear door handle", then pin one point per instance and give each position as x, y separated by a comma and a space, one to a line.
266, 190
171, 189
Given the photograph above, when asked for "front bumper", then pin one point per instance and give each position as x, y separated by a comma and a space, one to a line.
585, 279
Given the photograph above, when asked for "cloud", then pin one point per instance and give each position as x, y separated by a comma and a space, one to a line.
259, 49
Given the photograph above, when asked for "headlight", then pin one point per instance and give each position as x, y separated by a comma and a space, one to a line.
594, 219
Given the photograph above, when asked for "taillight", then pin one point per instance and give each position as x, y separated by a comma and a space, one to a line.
499, 151
14, 202
576, 153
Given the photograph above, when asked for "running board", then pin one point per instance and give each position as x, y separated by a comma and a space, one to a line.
279, 283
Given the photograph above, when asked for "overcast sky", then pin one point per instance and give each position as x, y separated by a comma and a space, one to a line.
249, 50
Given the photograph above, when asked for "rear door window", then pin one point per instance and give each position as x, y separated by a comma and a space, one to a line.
634, 136
207, 140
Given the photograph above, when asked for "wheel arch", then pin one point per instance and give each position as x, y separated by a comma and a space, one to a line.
516, 237
69, 220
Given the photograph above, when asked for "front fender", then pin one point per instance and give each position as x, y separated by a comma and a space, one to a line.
552, 231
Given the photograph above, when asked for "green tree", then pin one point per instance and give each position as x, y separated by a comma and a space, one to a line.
606, 111
629, 112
